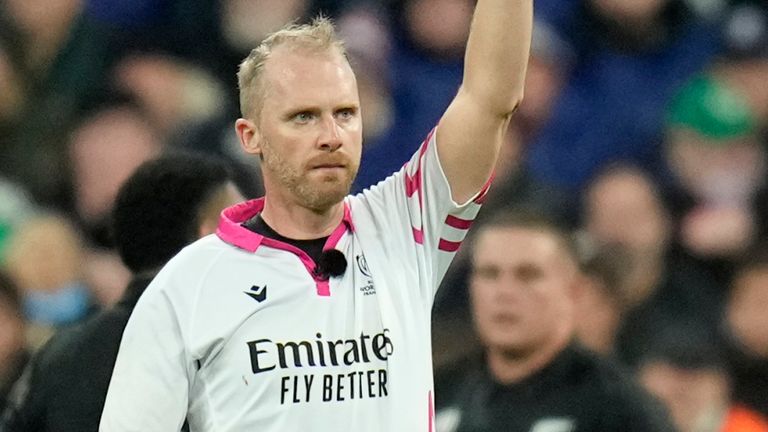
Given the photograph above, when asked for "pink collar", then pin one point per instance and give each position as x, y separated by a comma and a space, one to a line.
230, 230
230, 227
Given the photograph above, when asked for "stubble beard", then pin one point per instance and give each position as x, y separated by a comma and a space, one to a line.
318, 195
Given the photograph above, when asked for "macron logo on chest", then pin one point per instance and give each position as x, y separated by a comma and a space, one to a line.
258, 293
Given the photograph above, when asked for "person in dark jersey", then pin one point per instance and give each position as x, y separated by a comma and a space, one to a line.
531, 375
66, 383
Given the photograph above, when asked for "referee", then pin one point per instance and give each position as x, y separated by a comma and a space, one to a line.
310, 309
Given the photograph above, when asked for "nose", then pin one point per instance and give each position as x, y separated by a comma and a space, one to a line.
330, 135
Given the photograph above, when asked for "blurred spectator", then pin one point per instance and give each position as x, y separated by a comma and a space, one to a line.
246, 22
365, 33
688, 372
715, 152
747, 323
173, 93
600, 297
166, 204
547, 73
715, 143
45, 259
532, 376
627, 58
61, 58
425, 72
661, 285
104, 149
13, 347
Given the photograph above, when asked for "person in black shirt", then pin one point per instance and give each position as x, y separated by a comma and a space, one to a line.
532, 376
165, 205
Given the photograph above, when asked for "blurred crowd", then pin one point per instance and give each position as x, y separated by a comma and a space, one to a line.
643, 131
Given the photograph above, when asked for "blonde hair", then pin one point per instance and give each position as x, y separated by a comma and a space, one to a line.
318, 36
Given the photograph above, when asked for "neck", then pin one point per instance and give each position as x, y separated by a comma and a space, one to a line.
509, 367
300, 223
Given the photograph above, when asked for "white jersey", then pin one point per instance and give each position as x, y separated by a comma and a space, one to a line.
236, 334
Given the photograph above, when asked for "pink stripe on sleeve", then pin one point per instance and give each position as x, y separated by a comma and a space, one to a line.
458, 223
448, 246
413, 184
418, 235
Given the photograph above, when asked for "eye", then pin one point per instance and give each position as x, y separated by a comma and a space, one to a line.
487, 273
303, 117
346, 113
529, 273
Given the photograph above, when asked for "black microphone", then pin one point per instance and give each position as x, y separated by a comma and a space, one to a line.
331, 263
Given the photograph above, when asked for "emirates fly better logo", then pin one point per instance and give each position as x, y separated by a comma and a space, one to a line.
326, 369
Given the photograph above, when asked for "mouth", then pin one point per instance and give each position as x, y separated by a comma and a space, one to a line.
505, 319
328, 165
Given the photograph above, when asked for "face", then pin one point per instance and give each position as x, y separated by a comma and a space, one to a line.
309, 132
717, 173
521, 290
691, 395
746, 311
622, 208
441, 26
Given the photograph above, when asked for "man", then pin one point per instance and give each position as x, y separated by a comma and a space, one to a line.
685, 367
532, 377
265, 327
65, 387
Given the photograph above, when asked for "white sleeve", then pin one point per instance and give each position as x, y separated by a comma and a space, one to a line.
426, 219
150, 383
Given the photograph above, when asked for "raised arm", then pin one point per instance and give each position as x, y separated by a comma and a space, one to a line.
471, 131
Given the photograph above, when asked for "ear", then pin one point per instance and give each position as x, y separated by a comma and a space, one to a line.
248, 133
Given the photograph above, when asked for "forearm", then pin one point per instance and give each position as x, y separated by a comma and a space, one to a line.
497, 54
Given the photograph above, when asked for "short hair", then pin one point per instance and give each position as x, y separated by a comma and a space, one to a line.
318, 36
531, 220
157, 210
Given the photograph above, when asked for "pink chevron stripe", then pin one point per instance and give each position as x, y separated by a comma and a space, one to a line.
418, 235
448, 246
413, 184
458, 223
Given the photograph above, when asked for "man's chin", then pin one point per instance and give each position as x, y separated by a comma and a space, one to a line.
327, 195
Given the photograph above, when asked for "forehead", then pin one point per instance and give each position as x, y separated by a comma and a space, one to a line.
621, 188
296, 76
509, 246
